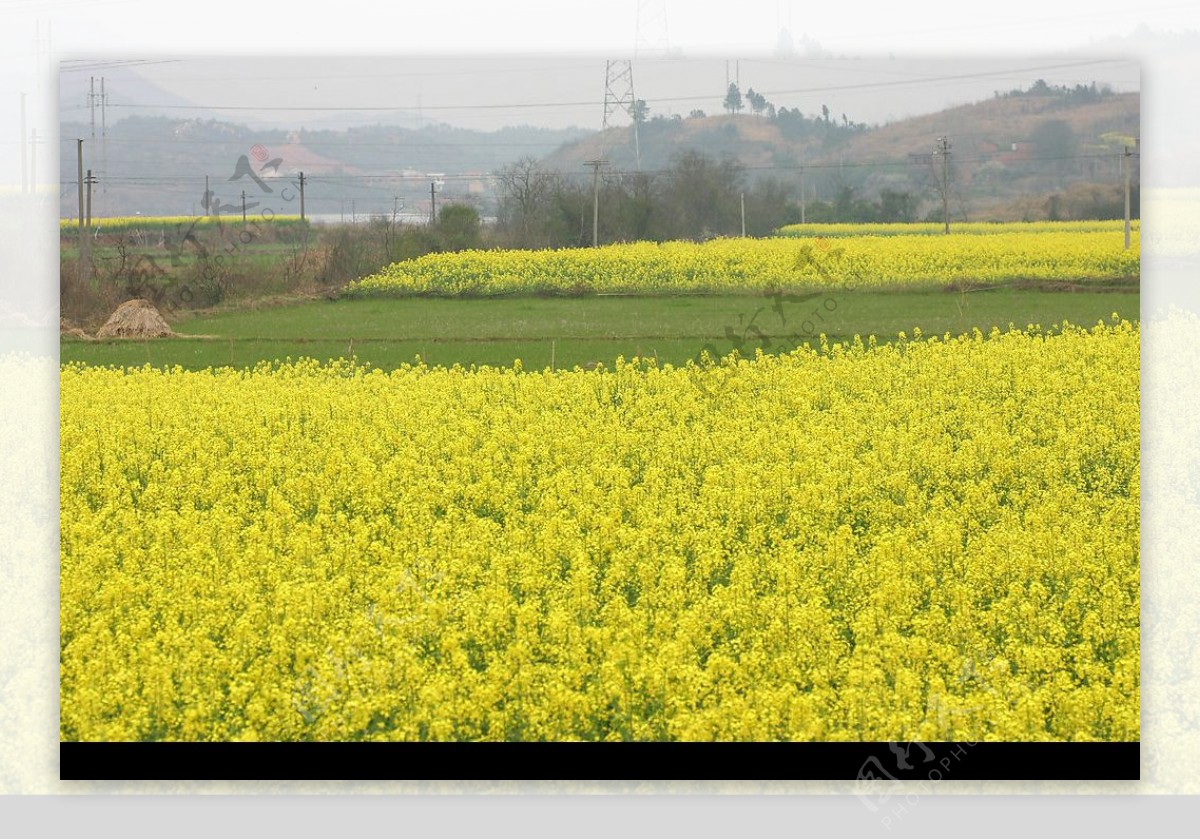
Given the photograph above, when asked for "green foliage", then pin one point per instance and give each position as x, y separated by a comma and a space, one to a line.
733, 99
458, 228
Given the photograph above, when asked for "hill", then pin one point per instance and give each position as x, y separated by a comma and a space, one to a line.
1009, 155
1044, 152
157, 165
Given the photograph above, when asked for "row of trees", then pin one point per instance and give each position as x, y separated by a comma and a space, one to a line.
792, 123
697, 197
1069, 95
735, 102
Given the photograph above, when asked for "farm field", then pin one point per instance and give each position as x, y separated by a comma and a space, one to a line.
907, 507
157, 225
808, 231
925, 540
571, 331
780, 263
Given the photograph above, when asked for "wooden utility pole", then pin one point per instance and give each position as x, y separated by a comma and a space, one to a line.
85, 257
89, 180
943, 149
302, 196
432, 202
743, 215
1126, 161
243, 207
802, 201
595, 164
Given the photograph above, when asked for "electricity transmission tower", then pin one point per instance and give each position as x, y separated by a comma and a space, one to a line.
618, 96
100, 100
650, 36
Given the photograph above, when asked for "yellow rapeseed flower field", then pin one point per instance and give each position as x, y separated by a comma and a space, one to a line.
865, 261
934, 539
1110, 226
118, 224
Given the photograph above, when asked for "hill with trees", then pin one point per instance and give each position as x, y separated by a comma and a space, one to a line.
1046, 152
1043, 152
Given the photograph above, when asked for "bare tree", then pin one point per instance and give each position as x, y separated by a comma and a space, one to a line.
526, 192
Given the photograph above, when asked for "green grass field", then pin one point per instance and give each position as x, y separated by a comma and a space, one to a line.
569, 331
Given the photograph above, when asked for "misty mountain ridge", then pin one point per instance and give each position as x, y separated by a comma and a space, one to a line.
1008, 153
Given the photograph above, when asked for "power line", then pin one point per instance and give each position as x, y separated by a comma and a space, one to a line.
324, 108
77, 65
593, 103
418, 74
404, 144
169, 180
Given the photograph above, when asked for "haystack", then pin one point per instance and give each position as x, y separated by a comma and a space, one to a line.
68, 327
135, 319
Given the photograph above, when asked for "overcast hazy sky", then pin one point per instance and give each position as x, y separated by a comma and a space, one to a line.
37, 34
488, 92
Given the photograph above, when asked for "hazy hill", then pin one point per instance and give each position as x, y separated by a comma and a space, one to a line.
1008, 154
157, 165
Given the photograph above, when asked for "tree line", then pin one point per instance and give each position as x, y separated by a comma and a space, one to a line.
696, 197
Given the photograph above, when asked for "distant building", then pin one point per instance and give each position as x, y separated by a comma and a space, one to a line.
1021, 150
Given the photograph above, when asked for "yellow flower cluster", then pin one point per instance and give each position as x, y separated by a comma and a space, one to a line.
114, 224
937, 228
739, 264
934, 539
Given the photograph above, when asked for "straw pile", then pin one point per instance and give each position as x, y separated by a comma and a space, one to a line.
68, 327
135, 319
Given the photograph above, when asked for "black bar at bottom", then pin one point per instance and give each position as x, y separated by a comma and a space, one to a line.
880, 760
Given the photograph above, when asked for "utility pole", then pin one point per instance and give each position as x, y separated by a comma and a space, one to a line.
595, 164
85, 257
207, 198
89, 180
743, 215
243, 207
943, 149
802, 202
302, 196
1125, 160
432, 202
103, 137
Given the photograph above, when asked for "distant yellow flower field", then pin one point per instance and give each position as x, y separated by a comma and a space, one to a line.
863, 261
956, 228
113, 224
933, 539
